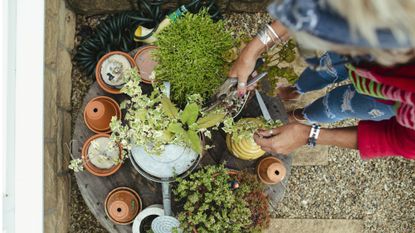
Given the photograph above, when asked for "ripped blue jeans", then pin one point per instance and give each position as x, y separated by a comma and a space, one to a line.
342, 102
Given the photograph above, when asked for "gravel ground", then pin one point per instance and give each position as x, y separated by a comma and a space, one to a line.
381, 192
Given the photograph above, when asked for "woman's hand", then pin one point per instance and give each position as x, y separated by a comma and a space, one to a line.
283, 140
245, 64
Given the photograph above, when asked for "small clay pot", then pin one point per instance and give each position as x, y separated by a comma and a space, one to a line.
271, 170
90, 167
122, 205
145, 63
103, 82
98, 113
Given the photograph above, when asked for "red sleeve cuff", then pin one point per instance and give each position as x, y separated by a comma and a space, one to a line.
385, 138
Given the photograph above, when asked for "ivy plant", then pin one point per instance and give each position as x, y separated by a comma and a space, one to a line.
241, 130
191, 54
153, 121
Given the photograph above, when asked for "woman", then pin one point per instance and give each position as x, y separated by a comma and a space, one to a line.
372, 44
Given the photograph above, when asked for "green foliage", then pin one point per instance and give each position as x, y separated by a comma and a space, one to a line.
256, 199
210, 203
278, 64
190, 114
154, 121
190, 56
168, 107
210, 120
246, 127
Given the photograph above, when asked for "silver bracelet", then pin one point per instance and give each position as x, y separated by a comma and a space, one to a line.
268, 36
265, 38
273, 32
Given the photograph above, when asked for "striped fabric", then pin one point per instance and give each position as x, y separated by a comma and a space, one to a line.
367, 84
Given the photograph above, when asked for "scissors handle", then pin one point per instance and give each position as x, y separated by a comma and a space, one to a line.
256, 79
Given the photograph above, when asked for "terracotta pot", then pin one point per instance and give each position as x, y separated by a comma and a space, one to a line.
245, 149
271, 170
103, 82
145, 62
122, 205
98, 113
90, 167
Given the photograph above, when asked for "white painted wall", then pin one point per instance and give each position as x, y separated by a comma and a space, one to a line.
22, 47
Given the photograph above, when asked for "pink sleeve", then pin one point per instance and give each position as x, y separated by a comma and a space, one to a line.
385, 138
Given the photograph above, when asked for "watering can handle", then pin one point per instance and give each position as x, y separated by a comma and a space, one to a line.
165, 186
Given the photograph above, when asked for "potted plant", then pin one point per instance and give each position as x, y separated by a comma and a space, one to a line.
239, 138
110, 70
190, 56
100, 156
153, 121
212, 203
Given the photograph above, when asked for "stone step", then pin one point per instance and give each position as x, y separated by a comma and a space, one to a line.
315, 226
306, 156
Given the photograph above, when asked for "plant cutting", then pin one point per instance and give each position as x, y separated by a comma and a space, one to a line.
191, 54
154, 121
239, 138
100, 156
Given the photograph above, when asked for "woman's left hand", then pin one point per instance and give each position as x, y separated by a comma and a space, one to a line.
284, 139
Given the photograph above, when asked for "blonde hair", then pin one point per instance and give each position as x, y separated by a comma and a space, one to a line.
365, 17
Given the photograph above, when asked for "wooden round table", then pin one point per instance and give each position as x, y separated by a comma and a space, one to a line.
94, 189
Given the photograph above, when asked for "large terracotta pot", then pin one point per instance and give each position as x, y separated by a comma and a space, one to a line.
271, 170
98, 113
122, 205
110, 68
145, 63
94, 166
245, 149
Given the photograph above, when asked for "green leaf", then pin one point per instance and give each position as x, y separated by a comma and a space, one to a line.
176, 128
190, 114
168, 107
195, 142
210, 120
167, 136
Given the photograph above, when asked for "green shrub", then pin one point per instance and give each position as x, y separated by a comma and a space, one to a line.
211, 205
190, 56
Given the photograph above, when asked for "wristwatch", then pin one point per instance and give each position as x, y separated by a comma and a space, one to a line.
312, 138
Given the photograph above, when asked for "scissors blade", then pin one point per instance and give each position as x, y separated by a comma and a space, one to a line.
262, 106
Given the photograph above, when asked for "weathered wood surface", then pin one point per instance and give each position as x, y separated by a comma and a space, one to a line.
94, 189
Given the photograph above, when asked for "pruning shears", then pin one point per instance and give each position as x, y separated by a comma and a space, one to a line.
227, 94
